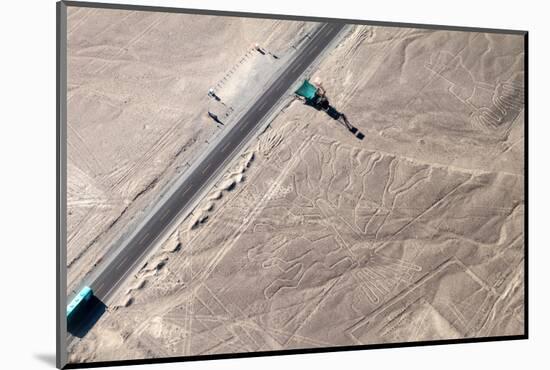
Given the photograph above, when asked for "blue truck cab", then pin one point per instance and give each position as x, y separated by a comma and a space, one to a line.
79, 301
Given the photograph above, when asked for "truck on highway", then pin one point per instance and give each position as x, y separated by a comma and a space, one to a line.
79, 302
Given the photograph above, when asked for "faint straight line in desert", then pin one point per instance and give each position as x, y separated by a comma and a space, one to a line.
115, 24
412, 289
323, 297
435, 204
459, 315
435, 74
188, 326
82, 21
146, 157
96, 163
245, 322
133, 41
376, 61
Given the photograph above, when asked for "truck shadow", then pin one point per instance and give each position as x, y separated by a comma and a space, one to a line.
81, 323
339, 117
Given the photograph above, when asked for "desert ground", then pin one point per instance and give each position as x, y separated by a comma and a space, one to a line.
316, 237
137, 109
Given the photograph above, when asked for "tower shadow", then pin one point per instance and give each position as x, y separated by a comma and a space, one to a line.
339, 117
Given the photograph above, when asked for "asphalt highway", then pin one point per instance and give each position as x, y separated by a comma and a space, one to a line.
112, 276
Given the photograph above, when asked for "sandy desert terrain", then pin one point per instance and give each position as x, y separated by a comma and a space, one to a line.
315, 238
137, 109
